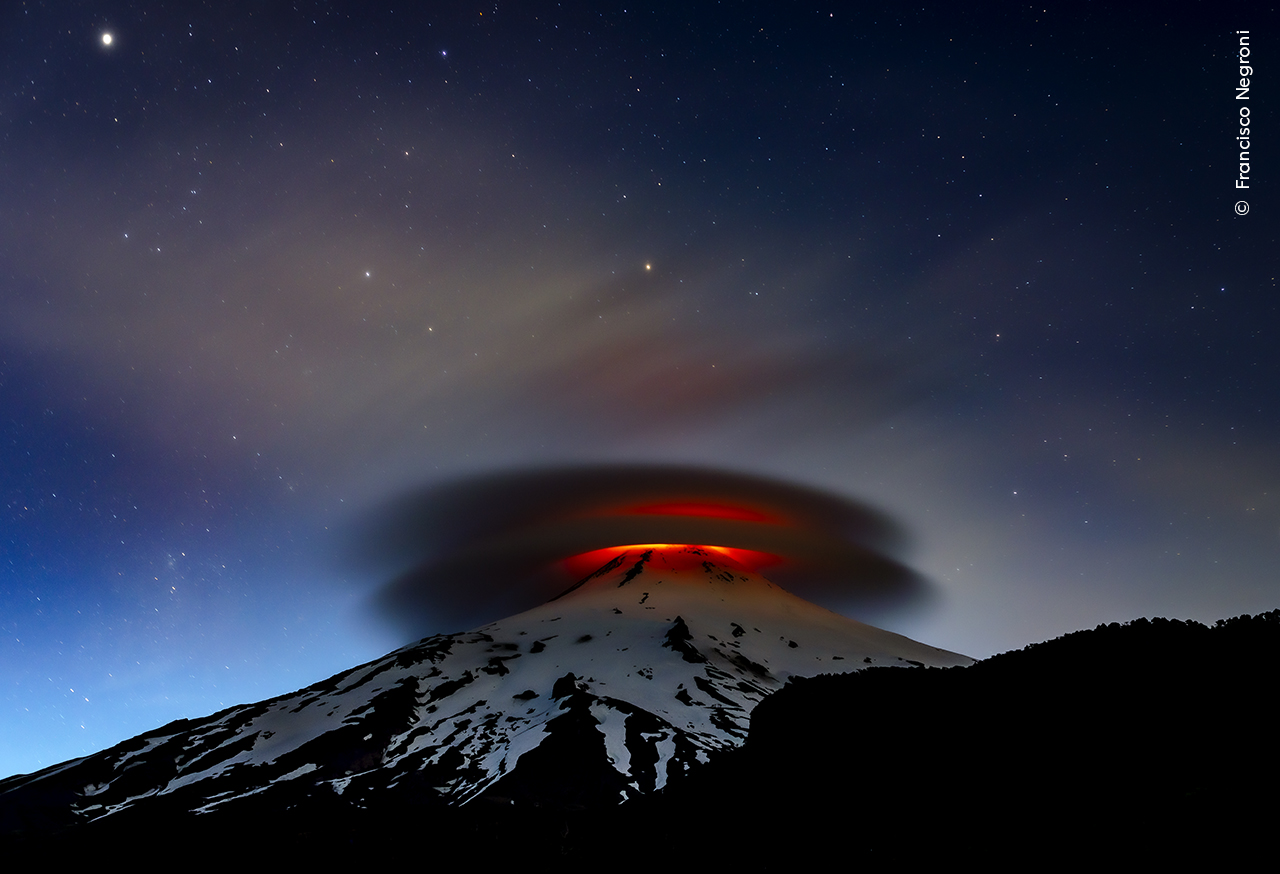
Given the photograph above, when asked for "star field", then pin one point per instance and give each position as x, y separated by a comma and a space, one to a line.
263, 269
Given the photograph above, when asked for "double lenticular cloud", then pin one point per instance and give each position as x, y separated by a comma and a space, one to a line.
488, 546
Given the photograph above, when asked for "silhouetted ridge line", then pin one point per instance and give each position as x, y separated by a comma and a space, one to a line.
1150, 739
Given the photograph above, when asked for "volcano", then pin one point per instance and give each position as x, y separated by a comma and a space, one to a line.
632, 677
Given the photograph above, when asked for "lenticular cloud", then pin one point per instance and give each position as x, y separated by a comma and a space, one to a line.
479, 548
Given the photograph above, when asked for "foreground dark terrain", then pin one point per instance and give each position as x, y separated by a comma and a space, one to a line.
1152, 740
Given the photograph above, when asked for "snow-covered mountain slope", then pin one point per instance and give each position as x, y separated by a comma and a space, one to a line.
632, 676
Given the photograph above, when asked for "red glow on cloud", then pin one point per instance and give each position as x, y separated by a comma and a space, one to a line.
751, 560
700, 508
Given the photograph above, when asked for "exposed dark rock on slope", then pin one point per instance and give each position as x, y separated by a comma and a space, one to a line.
627, 681
1152, 740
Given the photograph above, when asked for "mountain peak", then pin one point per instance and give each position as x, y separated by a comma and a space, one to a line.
630, 677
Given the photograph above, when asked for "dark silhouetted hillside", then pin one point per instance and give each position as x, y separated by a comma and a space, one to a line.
1151, 740
1148, 742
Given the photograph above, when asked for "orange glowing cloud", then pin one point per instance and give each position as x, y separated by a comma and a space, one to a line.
487, 547
702, 508
584, 563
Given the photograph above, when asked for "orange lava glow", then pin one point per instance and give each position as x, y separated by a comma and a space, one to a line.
750, 560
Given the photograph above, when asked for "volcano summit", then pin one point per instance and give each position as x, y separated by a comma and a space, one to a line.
629, 678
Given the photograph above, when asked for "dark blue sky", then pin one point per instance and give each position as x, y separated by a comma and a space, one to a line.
262, 271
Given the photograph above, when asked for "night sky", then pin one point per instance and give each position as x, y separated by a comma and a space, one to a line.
265, 267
